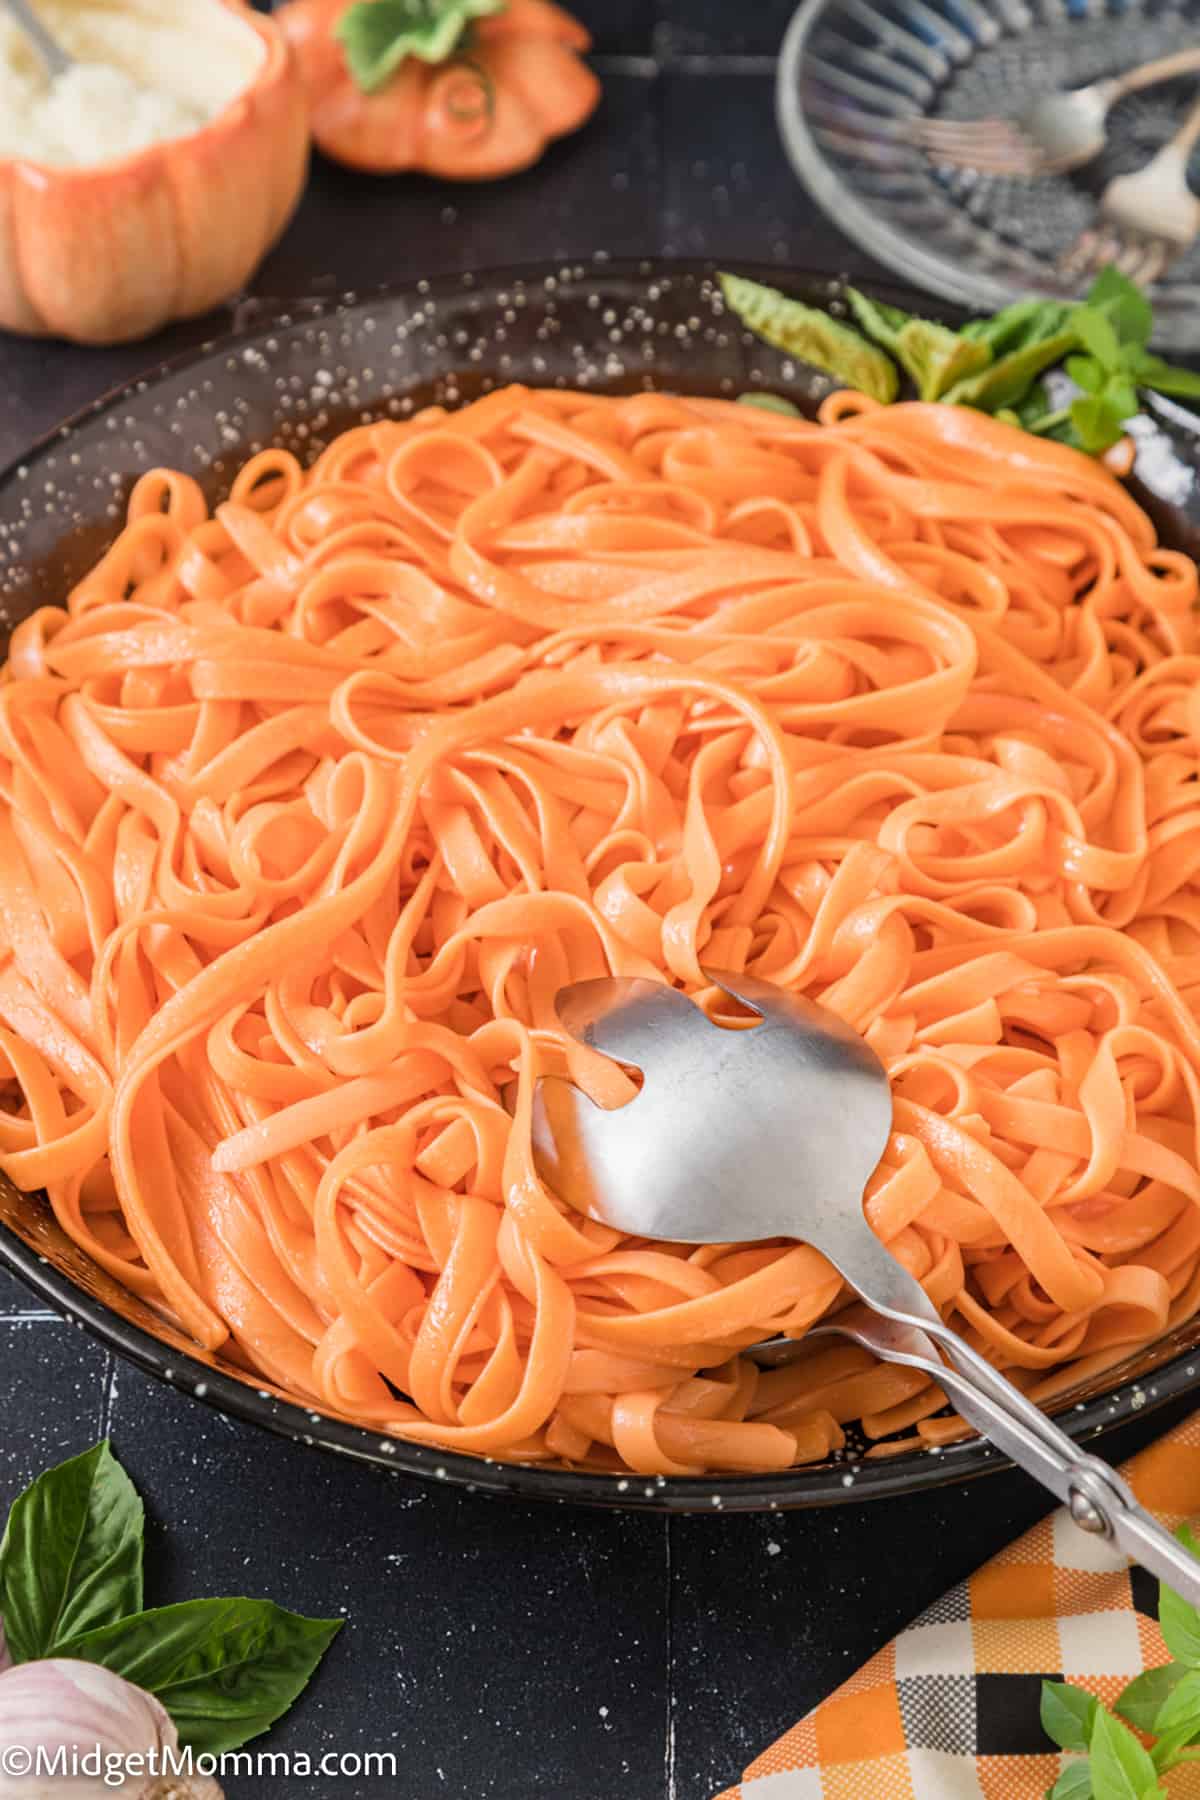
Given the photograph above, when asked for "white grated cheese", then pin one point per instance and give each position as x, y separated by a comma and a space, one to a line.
146, 72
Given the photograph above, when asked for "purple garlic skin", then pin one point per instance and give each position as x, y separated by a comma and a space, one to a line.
60, 1705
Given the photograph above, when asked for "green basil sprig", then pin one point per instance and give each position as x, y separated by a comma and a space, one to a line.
71, 1556
996, 364
1162, 1703
71, 1586
224, 1669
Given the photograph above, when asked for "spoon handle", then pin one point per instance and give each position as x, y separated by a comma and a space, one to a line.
1163, 68
1097, 1498
53, 55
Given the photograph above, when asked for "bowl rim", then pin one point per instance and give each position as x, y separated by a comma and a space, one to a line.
828, 1484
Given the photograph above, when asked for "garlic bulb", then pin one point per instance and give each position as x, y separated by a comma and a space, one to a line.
94, 1718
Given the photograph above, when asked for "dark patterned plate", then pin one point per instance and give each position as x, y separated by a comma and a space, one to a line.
855, 76
302, 377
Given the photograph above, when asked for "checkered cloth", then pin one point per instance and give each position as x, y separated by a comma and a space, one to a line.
950, 1709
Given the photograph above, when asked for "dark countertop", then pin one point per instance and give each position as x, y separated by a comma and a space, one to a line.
506, 1652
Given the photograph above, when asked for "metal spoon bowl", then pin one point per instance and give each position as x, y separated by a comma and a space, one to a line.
772, 1131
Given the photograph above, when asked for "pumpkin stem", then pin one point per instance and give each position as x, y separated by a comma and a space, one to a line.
462, 101
377, 35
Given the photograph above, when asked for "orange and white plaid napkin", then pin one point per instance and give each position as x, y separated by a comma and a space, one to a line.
950, 1709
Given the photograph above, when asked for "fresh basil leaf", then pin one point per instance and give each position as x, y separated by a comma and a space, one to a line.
1179, 1621
1062, 431
1068, 1714
1034, 406
1086, 373
1121, 1768
812, 336
1097, 425
1017, 327
1075, 1783
771, 403
377, 35
224, 1669
1011, 376
1097, 336
1124, 304
1164, 378
71, 1557
932, 354
1141, 1700
1120, 395
1178, 1720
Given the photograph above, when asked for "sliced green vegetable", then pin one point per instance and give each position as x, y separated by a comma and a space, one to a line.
932, 354
771, 403
812, 336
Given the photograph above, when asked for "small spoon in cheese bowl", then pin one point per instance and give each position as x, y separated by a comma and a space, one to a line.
147, 179
54, 58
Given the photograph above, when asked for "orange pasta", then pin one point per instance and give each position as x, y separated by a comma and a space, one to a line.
308, 809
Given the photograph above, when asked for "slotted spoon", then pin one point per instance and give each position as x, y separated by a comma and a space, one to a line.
772, 1130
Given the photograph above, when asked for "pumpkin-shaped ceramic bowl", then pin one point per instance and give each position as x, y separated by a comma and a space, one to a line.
113, 250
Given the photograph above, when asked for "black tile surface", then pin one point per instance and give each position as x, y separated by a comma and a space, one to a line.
726, 189
721, 27
599, 189
624, 27
505, 1653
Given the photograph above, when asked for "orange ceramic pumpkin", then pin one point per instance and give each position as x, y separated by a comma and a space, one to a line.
110, 251
511, 79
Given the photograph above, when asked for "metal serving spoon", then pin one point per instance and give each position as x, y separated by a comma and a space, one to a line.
51, 52
772, 1131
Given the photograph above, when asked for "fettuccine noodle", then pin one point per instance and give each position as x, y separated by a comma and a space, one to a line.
309, 808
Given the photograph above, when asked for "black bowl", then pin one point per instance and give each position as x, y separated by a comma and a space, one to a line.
312, 370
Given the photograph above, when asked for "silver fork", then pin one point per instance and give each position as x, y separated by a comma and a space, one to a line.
769, 1132
1147, 219
1053, 133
